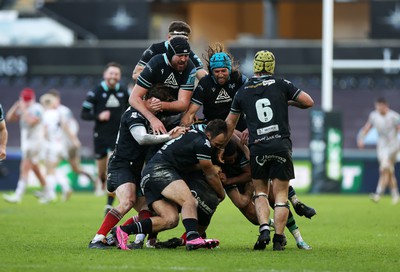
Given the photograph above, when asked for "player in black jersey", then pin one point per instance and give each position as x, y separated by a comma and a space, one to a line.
165, 190
236, 176
125, 166
216, 90
174, 70
3, 135
264, 99
105, 105
175, 29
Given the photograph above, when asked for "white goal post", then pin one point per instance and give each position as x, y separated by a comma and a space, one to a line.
329, 64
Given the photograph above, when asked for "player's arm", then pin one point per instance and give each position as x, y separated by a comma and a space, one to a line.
71, 136
211, 174
188, 117
143, 138
179, 105
363, 132
231, 122
201, 73
302, 101
243, 177
87, 111
136, 72
136, 101
3, 139
13, 114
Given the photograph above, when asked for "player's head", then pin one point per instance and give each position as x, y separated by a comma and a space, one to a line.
56, 94
27, 95
264, 62
220, 67
161, 92
178, 53
112, 74
230, 152
179, 28
381, 105
48, 101
216, 131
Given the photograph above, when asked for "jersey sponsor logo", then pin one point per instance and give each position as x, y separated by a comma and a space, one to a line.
112, 102
268, 82
171, 81
266, 130
223, 97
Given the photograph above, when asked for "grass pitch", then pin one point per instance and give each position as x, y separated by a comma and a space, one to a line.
349, 233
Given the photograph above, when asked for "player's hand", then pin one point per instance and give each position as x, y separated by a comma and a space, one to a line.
244, 138
220, 155
104, 116
223, 178
177, 131
157, 126
154, 105
2, 153
360, 144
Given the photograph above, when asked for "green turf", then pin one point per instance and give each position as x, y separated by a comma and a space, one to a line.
349, 233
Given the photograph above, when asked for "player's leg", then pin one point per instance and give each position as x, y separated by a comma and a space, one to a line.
281, 211
260, 200
300, 208
126, 194
24, 169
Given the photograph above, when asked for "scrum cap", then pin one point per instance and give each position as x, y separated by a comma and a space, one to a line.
27, 94
221, 60
178, 46
264, 61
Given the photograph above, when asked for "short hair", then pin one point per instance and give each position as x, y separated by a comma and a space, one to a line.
216, 127
179, 28
113, 64
54, 92
381, 100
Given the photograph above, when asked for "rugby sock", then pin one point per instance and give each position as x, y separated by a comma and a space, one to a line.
291, 223
131, 220
143, 226
190, 225
21, 187
110, 200
264, 227
183, 237
297, 235
144, 214
110, 220
292, 196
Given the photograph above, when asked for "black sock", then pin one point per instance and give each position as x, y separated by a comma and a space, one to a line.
191, 228
144, 226
291, 192
110, 200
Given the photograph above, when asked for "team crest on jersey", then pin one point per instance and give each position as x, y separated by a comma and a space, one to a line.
207, 143
223, 97
162, 71
134, 115
112, 102
213, 89
232, 86
171, 81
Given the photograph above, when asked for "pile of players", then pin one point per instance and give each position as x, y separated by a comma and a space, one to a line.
166, 162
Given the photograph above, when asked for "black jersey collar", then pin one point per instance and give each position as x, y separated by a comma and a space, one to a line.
106, 88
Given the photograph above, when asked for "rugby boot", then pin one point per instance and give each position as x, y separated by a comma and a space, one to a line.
302, 209
263, 240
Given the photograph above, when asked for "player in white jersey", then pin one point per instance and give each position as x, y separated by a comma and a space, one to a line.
54, 150
387, 124
29, 114
71, 142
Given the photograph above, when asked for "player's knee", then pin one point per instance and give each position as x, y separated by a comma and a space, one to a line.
126, 205
171, 221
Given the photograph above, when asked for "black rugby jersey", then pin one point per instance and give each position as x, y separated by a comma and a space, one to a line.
264, 100
126, 147
184, 151
161, 48
158, 70
216, 99
235, 169
102, 98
